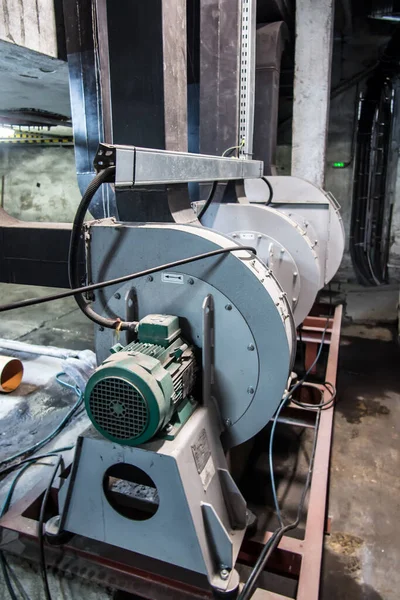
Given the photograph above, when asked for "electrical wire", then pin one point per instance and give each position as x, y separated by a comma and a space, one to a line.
33, 459
289, 396
124, 278
106, 175
207, 203
40, 529
214, 187
324, 405
6, 575
270, 458
55, 432
229, 150
5, 506
211, 195
277, 535
271, 191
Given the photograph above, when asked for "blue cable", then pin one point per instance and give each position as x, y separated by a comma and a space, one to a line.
71, 386
270, 458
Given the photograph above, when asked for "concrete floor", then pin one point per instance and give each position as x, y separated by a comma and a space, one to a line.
59, 323
362, 553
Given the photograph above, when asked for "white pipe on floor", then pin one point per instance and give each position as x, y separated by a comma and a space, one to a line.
17, 346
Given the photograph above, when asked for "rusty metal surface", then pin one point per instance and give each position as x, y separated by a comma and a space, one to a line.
313, 543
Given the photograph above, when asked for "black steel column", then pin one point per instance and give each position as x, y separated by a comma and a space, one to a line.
147, 60
270, 43
219, 74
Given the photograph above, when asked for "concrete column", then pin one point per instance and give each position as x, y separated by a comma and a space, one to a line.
312, 84
31, 24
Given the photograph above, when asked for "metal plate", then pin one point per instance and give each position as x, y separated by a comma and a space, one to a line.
259, 313
253, 217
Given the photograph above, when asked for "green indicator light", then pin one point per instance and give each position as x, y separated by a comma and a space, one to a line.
338, 165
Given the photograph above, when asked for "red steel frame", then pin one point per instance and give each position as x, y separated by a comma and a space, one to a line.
300, 559
303, 558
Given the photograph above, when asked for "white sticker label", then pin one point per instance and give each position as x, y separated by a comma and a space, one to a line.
207, 473
203, 459
247, 236
172, 278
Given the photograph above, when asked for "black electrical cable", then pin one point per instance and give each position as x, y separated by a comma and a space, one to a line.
6, 504
226, 153
43, 570
6, 575
123, 279
107, 175
207, 203
32, 460
324, 405
271, 191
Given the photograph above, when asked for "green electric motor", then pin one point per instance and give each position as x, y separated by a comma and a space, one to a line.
137, 390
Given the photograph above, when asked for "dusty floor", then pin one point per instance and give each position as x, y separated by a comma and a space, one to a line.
59, 323
362, 554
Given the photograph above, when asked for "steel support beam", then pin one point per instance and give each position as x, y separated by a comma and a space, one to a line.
86, 97
147, 61
146, 166
127, 63
312, 84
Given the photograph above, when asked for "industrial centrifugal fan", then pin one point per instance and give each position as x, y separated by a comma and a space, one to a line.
195, 351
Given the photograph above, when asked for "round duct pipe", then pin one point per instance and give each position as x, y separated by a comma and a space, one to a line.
11, 372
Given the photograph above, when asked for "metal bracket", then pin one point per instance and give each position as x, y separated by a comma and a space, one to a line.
146, 166
247, 78
235, 503
218, 538
208, 347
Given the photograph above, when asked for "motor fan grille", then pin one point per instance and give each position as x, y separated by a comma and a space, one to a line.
118, 408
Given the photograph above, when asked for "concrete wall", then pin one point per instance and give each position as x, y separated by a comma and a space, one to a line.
350, 57
39, 183
29, 23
